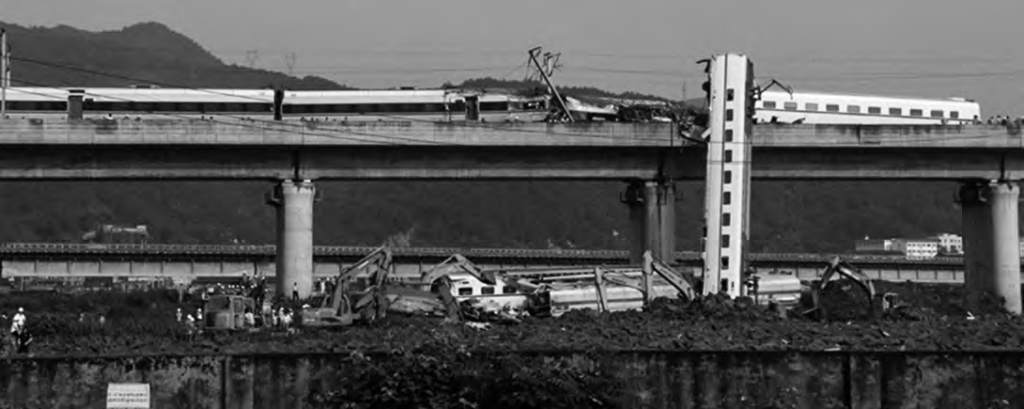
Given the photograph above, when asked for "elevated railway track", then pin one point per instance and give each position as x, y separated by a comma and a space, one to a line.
191, 261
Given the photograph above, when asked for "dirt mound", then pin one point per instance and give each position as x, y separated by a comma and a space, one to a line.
710, 323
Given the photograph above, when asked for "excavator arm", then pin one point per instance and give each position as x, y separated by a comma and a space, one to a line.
376, 264
454, 264
675, 278
844, 269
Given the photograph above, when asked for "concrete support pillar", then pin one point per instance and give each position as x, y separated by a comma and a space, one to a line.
667, 225
294, 203
633, 197
652, 220
991, 236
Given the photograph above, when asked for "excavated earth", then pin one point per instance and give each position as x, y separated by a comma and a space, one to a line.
932, 319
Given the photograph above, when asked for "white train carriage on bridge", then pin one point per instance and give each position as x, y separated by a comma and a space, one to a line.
852, 109
352, 105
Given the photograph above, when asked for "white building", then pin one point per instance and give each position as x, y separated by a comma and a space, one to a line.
950, 243
917, 249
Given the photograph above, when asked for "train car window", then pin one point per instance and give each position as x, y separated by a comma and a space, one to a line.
487, 290
832, 107
954, 114
234, 107
853, 109
508, 290
937, 113
728, 135
465, 291
874, 110
494, 106
726, 219
727, 198
725, 241
896, 111
728, 115
811, 106
434, 108
790, 106
916, 112
769, 104
344, 108
55, 106
120, 106
730, 94
725, 263
727, 178
189, 106
728, 155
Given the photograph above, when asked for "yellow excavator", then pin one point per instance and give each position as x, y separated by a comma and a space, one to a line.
337, 309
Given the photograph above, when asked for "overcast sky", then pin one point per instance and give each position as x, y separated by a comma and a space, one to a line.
929, 48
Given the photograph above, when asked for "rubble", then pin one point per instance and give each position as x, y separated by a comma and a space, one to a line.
144, 323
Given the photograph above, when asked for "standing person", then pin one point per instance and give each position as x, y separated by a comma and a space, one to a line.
295, 291
178, 315
18, 323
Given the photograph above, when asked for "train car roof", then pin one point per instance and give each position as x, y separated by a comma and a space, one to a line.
806, 93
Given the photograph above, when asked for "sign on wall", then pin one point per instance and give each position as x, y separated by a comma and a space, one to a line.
128, 396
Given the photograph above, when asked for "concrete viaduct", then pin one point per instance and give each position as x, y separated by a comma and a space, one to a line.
649, 157
229, 262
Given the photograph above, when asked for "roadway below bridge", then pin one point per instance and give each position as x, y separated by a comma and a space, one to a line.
267, 150
229, 262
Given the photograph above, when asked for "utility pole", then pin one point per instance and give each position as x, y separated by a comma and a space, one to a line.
252, 56
5, 72
289, 59
548, 59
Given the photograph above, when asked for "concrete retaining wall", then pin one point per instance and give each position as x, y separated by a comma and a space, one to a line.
651, 379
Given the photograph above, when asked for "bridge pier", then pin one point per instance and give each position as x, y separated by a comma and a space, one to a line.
991, 236
652, 218
294, 203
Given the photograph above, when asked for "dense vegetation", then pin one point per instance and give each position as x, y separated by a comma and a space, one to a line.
787, 216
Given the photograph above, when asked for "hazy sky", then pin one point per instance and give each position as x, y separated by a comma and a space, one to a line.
930, 48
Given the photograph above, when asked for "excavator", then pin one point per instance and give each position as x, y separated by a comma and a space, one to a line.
337, 309
440, 280
848, 271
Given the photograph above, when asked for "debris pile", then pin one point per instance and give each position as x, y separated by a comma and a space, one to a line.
930, 318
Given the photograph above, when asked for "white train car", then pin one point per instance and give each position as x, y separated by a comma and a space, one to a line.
351, 105
571, 293
823, 108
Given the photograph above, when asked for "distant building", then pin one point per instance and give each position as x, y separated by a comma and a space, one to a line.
917, 249
950, 243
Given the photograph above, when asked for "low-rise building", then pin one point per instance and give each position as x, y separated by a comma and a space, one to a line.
917, 249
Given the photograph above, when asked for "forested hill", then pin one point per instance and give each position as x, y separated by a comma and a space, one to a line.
786, 216
131, 56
